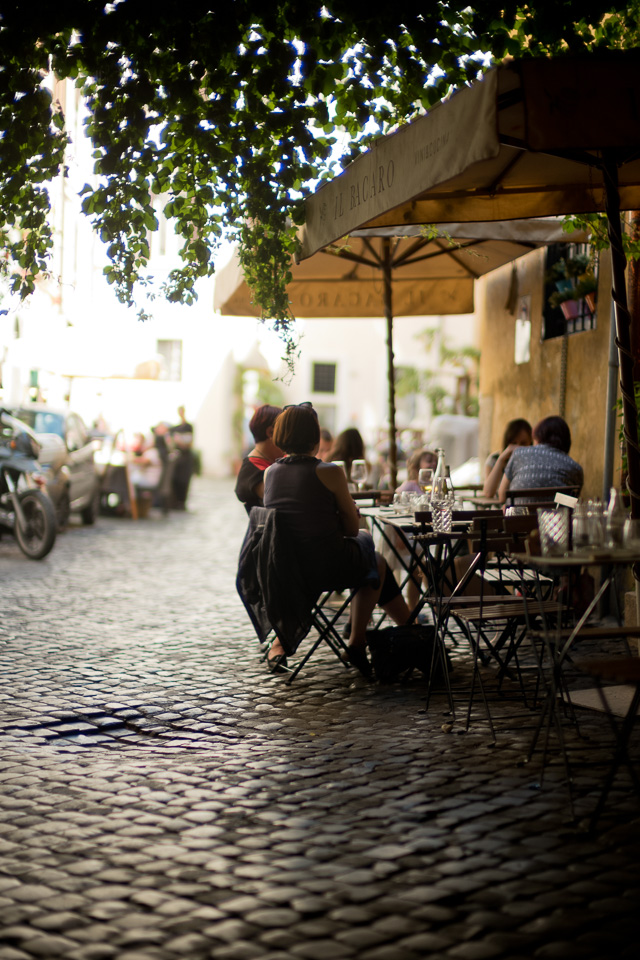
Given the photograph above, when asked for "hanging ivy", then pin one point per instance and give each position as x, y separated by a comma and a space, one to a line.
224, 116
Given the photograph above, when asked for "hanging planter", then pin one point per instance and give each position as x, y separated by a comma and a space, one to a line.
576, 286
570, 309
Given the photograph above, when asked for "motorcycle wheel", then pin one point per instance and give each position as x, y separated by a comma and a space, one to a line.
37, 539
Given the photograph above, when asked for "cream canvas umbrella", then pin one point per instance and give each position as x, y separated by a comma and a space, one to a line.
395, 272
535, 137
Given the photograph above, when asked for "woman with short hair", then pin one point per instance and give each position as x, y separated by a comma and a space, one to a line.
250, 479
317, 511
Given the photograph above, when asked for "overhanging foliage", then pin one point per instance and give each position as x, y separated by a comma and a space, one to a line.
223, 117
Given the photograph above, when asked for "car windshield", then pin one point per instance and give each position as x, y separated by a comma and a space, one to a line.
43, 421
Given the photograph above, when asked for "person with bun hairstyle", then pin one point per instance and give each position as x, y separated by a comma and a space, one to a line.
315, 507
546, 464
250, 479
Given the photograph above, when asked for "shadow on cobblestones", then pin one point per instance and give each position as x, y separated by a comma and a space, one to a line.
163, 796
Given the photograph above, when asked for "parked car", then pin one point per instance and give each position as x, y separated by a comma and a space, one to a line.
67, 458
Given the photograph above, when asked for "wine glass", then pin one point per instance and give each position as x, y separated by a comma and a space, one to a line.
425, 479
359, 473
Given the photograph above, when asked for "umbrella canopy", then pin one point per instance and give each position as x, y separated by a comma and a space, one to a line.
396, 271
528, 140
431, 276
532, 138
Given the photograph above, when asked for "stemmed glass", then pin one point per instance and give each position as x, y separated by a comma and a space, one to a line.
425, 479
359, 472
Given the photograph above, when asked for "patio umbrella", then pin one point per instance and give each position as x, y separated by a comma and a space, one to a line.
395, 271
534, 137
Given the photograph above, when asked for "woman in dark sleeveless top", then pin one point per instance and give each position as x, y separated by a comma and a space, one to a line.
315, 507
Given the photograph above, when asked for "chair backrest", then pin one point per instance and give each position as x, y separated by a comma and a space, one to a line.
535, 497
493, 521
520, 523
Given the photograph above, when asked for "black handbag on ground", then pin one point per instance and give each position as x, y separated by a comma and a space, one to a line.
396, 652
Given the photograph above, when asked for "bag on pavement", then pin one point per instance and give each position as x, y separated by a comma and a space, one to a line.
397, 651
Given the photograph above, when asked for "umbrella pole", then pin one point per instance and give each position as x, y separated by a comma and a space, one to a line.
391, 377
623, 333
623, 342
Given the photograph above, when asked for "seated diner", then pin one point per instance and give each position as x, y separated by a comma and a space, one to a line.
250, 479
545, 464
313, 501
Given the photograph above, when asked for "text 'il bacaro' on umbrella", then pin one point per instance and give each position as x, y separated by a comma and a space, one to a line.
536, 137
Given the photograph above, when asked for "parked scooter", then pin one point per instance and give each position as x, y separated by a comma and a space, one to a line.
25, 510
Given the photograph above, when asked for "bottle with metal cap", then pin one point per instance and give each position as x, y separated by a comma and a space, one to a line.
439, 487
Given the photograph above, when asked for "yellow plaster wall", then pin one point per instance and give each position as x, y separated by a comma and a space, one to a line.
532, 390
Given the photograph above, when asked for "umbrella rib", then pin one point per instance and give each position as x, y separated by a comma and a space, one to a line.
343, 254
493, 187
460, 262
440, 252
372, 250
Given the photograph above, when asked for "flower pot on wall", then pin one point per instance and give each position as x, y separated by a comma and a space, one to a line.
591, 301
570, 309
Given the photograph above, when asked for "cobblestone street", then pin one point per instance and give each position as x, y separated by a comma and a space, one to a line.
163, 796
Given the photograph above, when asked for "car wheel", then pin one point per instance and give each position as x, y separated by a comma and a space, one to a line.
90, 514
63, 510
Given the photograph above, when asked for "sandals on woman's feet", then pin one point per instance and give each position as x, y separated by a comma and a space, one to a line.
278, 663
357, 657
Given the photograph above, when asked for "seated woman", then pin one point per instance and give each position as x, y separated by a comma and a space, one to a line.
347, 447
517, 434
417, 460
250, 480
318, 512
546, 464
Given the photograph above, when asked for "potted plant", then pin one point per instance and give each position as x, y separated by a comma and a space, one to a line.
574, 281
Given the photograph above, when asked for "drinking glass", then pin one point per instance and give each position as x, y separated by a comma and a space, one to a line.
631, 536
554, 531
580, 527
425, 479
441, 516
359, 473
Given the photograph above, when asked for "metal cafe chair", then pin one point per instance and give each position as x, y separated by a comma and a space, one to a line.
494, 624
535, 497
276, 597
610, 672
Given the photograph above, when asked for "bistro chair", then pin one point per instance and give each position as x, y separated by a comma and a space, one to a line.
494, 624
276, 597
610, 673
534, 497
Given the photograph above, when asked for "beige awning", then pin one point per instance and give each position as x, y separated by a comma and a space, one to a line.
430, 277
525, 141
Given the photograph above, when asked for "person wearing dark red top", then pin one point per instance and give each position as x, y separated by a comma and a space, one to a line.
250, 480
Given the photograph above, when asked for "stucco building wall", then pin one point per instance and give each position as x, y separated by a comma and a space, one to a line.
533, 389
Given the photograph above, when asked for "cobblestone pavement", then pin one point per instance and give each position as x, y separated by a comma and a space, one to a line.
163, 796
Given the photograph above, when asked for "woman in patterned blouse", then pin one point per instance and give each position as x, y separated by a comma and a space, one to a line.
546, 464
